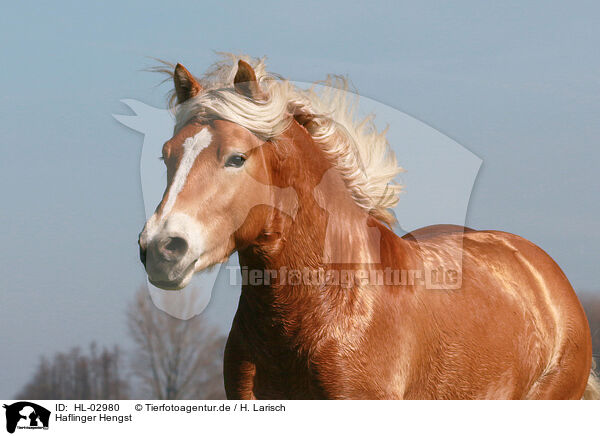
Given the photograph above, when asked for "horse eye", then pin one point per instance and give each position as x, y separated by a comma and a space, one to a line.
235, 161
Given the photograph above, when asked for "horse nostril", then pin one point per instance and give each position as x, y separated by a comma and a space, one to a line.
174, 247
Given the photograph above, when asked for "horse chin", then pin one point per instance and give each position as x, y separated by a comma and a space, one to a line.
181, 282
205, 262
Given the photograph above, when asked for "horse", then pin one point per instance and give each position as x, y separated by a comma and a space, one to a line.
302, 191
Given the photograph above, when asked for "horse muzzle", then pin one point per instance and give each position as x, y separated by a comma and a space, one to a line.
168, 255
168, 262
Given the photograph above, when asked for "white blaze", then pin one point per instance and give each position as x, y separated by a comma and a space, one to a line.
192, 147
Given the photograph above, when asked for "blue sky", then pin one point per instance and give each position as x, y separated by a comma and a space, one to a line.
516, 83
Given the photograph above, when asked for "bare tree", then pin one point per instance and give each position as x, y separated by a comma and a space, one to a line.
174, 359
77, 376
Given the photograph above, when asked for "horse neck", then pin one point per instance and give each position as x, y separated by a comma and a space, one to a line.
329, 232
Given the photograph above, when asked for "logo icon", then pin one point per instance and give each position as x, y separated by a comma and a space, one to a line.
26, 415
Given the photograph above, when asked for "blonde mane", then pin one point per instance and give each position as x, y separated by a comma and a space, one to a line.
357, 149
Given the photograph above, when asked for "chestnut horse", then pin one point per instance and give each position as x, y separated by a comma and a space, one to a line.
289, 180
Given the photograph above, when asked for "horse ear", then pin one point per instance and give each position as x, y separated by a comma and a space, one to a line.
186, 86
245, 81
